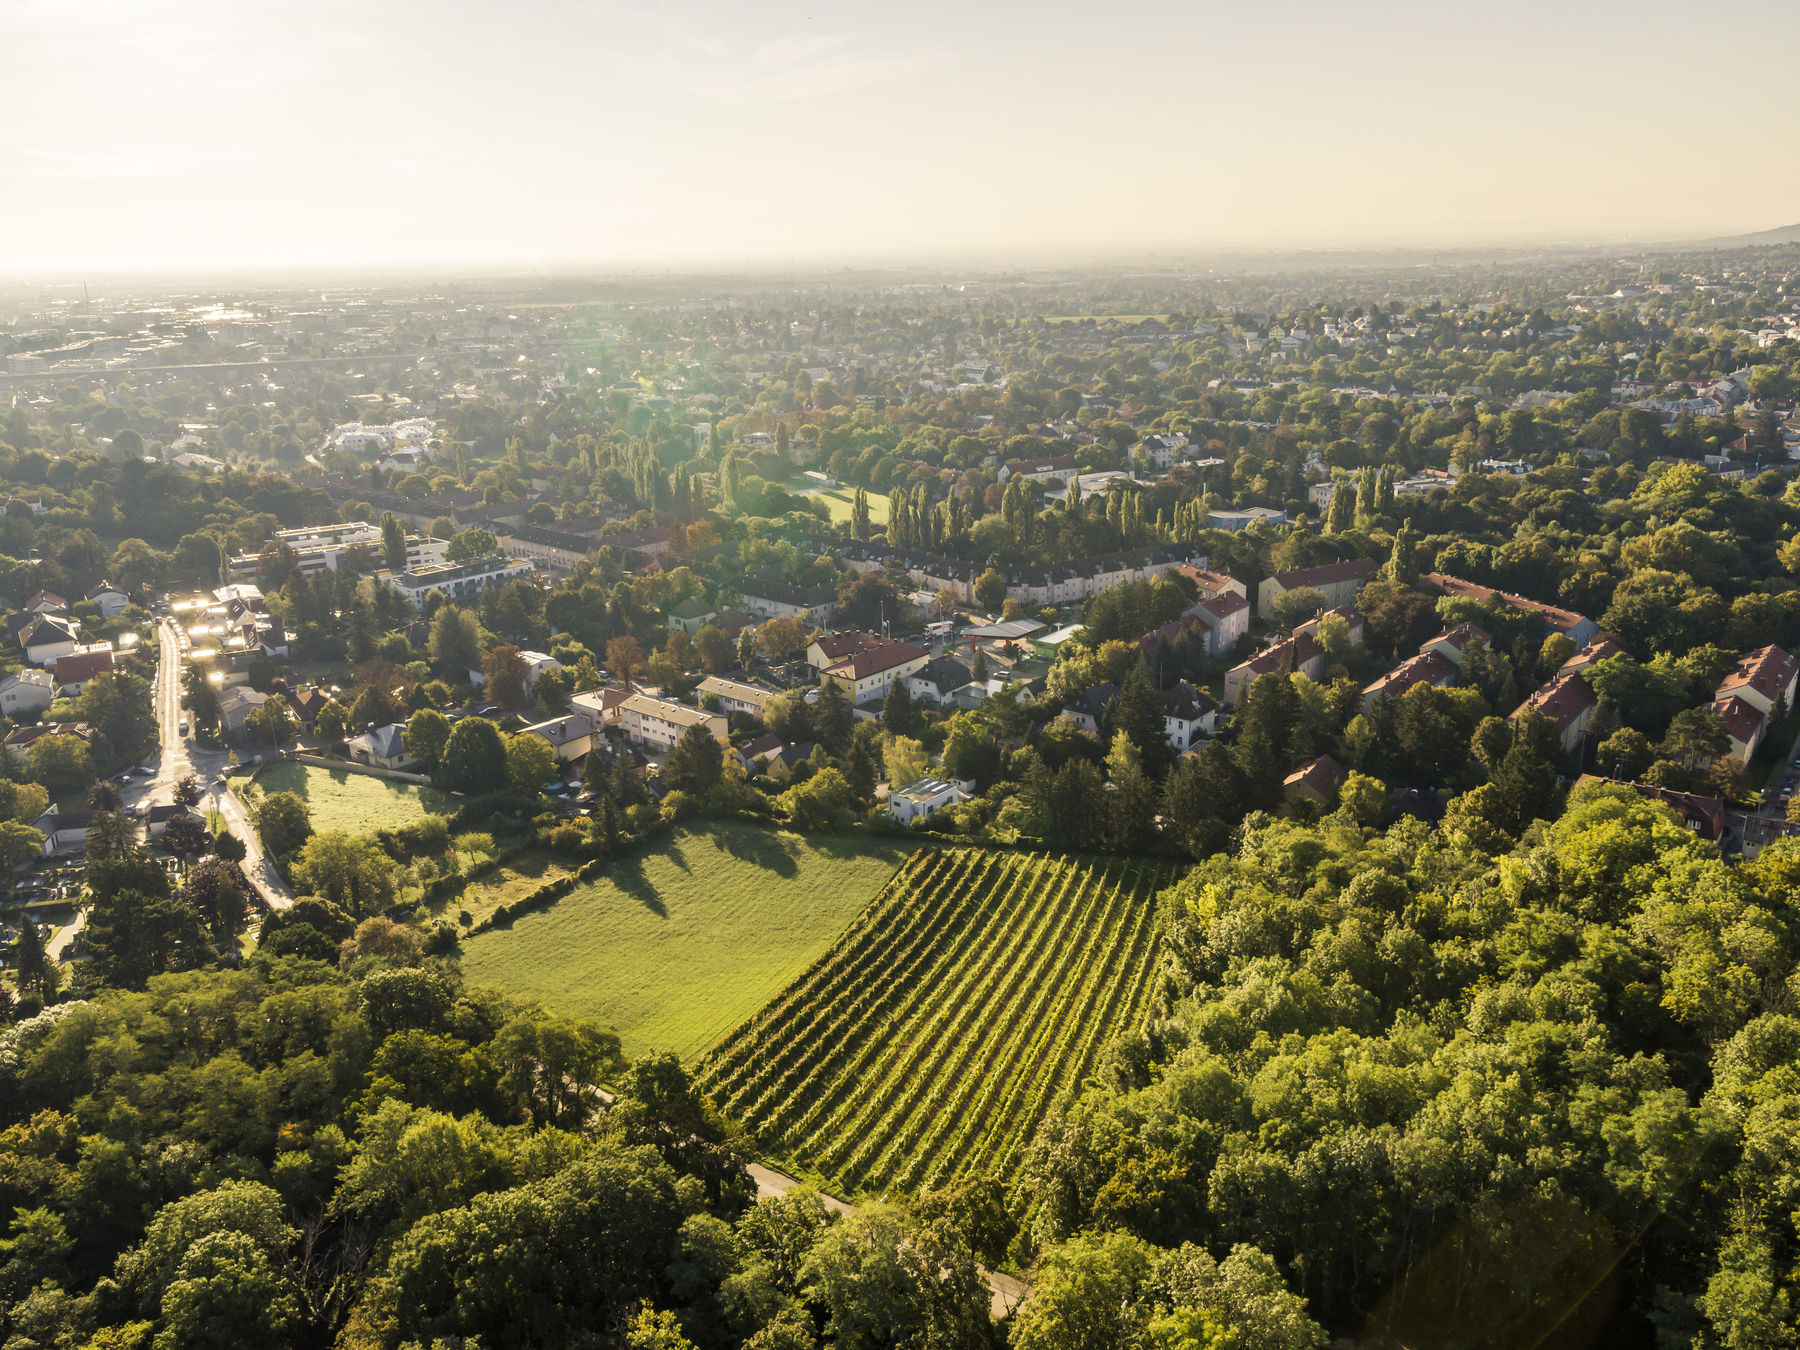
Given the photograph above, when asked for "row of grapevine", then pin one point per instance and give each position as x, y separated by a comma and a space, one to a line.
970, 998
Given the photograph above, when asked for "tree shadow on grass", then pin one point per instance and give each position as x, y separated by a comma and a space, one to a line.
764, 848
629, 876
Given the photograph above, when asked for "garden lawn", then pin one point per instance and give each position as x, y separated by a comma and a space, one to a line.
512, 880
674, 947
340, 800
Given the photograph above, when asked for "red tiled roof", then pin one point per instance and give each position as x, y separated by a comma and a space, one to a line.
1560, 619
1742, 720
1459, 636
1224, 604
1562, 700
1323, 776
884, 655
1595, 652
80, 667
1425, 668
1768, 670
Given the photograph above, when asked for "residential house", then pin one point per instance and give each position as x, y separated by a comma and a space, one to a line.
81, 665
46, 602
1705, 816
48, 639
235, 706
827, 649
922, 799
1088, 709
1600, 649
1277, 659
1577, 628
64, 832
1058, 467
537, 665
569, 736
110, 600
769, 598
1762, 678
1226, 619
1338, 582
308, 703
1210, 584
1354, 624
690, 616
1309, 657
556, 550
866, 675
657, 723
1317, 783
1453, 643
936, 680
1188, 714
1745, 724
735, 695
1426, 668
781, 762
26, 691
599, 708
381, 747
1569, 702
753, 753
157, 818
460, 582
23, 738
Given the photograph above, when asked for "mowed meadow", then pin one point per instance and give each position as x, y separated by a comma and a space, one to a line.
930, 1042
338, 799
677, 945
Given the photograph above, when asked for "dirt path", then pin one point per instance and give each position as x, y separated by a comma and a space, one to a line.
1004, 1291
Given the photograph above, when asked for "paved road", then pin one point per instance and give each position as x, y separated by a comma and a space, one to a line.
1004, 1292
180, 757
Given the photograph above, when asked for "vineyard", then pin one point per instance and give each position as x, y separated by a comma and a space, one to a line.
932, 1038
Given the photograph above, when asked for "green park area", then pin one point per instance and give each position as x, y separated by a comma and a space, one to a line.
338, 799
674, 947
839, 500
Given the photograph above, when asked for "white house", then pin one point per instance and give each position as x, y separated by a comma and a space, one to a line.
926, 797
109, 599
26, 691
866, 675
657, 723
569, 736
48, 639
235, 706
1188, 714
735, 695
381, 747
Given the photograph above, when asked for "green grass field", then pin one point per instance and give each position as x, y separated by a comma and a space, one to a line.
959, 1010
513, 879
678, 945
340, 800
840, 500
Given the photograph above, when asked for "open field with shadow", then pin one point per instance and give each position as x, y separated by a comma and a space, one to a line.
676, 946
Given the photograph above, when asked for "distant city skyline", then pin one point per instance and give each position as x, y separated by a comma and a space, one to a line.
142, 136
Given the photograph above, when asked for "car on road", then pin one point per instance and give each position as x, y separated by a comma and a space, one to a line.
184, 726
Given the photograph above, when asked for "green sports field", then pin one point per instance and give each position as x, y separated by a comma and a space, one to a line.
674, 947
840, 501
340, 800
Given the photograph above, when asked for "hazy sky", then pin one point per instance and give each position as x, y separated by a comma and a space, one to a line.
163, 134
